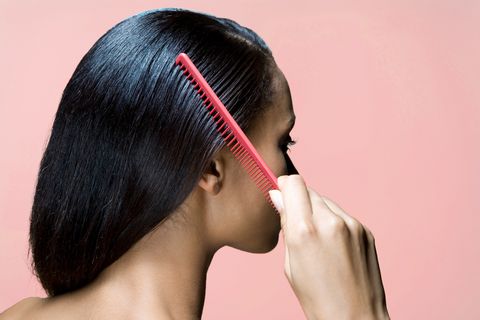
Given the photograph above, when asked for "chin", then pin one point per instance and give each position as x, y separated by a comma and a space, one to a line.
270, 245
267, 245
265, 238
270, 240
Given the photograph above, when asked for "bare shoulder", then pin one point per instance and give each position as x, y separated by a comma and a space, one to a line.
23, 309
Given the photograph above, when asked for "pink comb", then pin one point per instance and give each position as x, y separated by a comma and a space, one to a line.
232, 134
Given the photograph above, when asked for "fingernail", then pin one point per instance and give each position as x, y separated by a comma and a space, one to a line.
277, 200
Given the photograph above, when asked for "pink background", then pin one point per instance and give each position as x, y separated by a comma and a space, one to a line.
388, 122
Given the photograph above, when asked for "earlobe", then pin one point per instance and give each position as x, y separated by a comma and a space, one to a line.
218, 186
212, 178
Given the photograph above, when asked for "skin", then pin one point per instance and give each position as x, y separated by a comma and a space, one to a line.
330, 257
164, 274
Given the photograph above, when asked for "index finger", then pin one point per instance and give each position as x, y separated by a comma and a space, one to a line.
296, 201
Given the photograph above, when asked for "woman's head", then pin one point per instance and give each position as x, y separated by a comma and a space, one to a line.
131, 145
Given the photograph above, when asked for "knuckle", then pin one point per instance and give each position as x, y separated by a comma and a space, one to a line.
356, 227
327, 204
325, 198
303, 232
369, 234
371, 237
337, 226
317, 201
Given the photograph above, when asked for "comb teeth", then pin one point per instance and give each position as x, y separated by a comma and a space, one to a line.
232, 134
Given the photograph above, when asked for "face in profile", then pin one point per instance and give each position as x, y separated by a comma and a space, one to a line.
248, 222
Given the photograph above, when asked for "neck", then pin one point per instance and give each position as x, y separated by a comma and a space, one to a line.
164, 274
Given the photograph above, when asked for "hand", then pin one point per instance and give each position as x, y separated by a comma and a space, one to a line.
330, 257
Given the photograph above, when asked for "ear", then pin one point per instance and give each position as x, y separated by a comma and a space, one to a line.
212, 178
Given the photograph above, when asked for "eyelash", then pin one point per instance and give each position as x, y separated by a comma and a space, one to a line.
287, 144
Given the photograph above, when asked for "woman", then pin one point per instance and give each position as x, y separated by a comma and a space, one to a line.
136, 191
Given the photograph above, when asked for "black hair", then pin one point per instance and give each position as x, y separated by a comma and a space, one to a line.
130, 138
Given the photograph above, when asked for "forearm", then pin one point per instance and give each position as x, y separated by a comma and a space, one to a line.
322, 315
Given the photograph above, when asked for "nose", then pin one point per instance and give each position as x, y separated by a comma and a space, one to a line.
290, 167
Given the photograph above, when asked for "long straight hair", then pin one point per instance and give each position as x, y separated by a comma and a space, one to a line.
130, 139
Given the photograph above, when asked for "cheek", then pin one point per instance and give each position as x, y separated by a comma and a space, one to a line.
252, 210
257, 226
258, 216
254, 224
279, 162
249, 197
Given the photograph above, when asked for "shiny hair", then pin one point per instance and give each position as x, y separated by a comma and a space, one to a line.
130, 138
